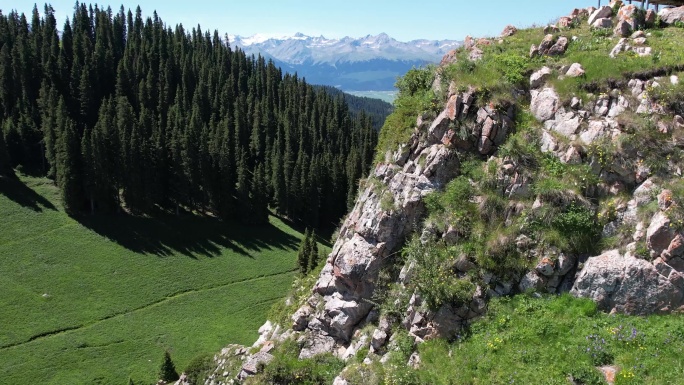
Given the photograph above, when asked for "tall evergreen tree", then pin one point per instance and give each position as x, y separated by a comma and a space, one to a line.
304, 253
5, 167
69, 176
313, 251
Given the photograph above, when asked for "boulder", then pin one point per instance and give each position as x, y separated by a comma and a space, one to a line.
451, 236
559, 47
545, 267
475, 54
453, 106
571, 156
564, 22
300, 319
659, 233
315, 344
603, 23
378, 340
439, 127
355, 346
604, 12
675, 249
619, 47
579, 12
630, 16
622, 29
251, 367
534, 50
509, 30
552, 28
538, 78
575, 70
642, 51
672, 15
548, 142
565, 122
468, 42
626, 284
531, 282
665, 199
544, 104
464, 265
546, 44
639, 40
448, 58
407, 272
650, 18
637, 35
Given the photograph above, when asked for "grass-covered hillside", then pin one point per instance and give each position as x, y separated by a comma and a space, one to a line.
97, 300
506, 65
478, 293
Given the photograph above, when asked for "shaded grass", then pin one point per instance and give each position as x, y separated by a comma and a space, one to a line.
100, 300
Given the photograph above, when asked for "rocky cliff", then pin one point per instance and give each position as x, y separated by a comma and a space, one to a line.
573, 184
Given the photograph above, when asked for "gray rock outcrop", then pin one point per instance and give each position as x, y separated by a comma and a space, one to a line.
626, 284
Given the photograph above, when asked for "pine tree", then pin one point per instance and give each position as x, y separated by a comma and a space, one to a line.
313, 251
303, 255
167, 371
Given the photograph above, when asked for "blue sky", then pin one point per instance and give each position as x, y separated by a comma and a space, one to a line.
401, 19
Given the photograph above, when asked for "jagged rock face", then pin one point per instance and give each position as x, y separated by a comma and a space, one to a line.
388, 209
371, 232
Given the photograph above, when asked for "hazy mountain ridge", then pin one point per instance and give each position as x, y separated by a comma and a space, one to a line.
372, 62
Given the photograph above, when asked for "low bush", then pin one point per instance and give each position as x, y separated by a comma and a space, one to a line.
435, 277
198, 368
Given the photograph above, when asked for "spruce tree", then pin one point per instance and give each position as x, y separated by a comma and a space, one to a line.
167, 371
303, 255
5, 167
313, 251
68, 168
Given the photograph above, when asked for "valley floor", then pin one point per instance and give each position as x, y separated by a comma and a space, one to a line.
99, 299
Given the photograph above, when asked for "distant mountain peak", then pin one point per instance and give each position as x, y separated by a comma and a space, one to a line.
369, 62
300, 48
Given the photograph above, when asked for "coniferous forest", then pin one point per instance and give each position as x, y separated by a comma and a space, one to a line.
126, 113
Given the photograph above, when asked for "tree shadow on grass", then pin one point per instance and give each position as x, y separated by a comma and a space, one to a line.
323, 235
20, 193
190, 235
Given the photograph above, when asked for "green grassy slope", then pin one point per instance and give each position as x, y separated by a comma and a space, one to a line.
526, 340
98, 299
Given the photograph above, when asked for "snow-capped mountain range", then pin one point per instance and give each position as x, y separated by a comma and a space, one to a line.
366, 63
